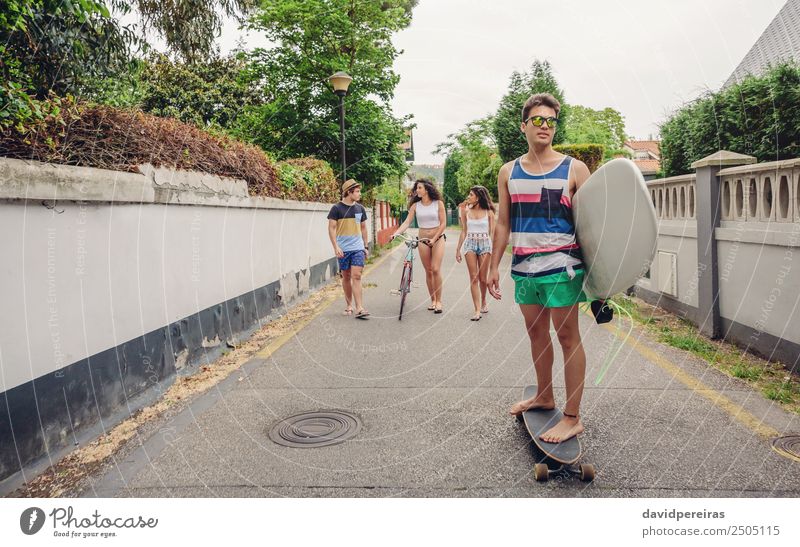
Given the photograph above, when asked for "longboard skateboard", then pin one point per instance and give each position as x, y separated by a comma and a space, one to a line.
558, 457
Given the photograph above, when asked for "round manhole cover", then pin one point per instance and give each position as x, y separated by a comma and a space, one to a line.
788, 446
315, 429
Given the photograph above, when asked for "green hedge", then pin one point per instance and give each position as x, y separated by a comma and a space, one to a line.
90, 135
759, 117
308, 179
590, 154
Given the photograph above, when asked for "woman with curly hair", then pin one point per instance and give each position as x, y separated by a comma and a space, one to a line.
426, 205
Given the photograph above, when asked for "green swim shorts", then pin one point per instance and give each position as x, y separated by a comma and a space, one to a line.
551, 291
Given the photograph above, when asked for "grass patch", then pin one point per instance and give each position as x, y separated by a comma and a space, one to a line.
380, 250
630, 306
770, 378
784, 392
746, 372
689, 342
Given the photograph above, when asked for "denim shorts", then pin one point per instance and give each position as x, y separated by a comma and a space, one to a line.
477, 245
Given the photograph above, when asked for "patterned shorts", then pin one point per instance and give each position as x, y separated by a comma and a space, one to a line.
351, 258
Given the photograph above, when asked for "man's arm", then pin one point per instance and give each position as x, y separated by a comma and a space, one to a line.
579, 175
332, 236
365, 237
502, 230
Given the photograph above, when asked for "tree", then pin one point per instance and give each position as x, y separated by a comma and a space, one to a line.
759, 116
189, 27
510, 141
50, 46
588, 126
313, 39
209, 93
78, 48
480, 166
450, 188
474, 158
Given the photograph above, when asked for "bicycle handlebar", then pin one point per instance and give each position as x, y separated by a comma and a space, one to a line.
414, 239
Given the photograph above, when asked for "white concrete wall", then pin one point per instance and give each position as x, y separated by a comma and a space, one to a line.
759, 276
679, 237
79, 277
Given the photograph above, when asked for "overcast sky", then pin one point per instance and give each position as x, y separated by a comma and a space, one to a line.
644, 58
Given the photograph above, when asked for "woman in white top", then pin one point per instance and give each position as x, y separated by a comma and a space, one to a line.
427, 206
477, 228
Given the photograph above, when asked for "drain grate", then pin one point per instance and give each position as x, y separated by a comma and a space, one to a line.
315, 429
788, 446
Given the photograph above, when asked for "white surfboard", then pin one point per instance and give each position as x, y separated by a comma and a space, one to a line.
616, 227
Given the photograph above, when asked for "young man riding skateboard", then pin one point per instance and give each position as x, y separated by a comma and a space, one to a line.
536, 193
347, 229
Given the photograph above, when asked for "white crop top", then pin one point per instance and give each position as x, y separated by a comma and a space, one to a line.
428, 216
478, 225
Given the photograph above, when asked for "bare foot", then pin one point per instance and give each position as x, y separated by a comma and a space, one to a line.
564, 430
539, 401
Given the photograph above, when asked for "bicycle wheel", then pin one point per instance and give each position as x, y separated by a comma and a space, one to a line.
405, 287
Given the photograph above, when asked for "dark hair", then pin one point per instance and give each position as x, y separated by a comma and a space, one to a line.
430, 187
540, 99
484, 201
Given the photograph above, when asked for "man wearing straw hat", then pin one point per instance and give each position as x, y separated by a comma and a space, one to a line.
347, 229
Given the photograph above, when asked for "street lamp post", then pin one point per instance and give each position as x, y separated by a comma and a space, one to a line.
340, 82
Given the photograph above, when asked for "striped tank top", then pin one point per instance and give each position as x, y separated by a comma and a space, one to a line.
542, 227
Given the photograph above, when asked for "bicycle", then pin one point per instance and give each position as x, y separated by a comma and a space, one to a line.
408, 267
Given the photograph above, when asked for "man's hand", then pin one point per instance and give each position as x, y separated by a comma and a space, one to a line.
494, 283
339, 252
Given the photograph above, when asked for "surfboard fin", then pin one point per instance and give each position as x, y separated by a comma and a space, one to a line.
603, 313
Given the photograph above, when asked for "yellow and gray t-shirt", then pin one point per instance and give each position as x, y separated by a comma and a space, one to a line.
348, 225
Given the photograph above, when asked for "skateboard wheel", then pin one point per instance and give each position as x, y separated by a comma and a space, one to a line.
541, 472
587, 472
519, 418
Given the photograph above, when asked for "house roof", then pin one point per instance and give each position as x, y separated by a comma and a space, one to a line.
648, 167
650, 146
780, 41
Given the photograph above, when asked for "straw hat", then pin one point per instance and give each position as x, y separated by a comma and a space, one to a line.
348, 185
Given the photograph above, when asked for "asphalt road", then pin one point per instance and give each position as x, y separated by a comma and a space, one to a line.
433, 392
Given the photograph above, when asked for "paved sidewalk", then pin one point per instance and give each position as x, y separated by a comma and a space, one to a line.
433, 392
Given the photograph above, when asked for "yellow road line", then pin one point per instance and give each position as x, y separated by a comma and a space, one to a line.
273, 346
718, 399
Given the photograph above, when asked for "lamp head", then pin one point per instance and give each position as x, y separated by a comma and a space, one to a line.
340, 82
